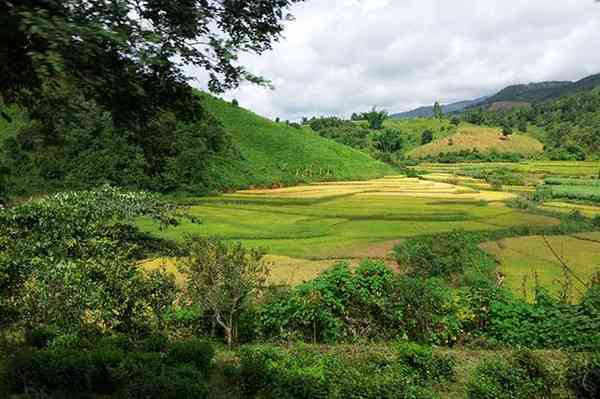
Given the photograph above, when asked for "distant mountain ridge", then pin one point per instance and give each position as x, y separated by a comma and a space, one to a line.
543, 91
427, 111
519, 94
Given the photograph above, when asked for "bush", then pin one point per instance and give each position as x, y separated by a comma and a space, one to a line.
522, 376
178, 383
583, 375
40, 337
437, 255
268, 372
194, 352
65, 371
430, 366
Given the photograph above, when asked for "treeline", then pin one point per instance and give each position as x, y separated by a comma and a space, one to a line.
568, 126
383, 143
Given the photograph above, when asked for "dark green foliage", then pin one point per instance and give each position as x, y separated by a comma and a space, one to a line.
66, 254
341, 305
426, 137
389, 141
583, 375
544, 324
522, 376
437, 110
567, 125
430, 366
268, 372
425, 311
438, 256
455, 120
107, 369
40, 337
473, 155
193, 352
376, 118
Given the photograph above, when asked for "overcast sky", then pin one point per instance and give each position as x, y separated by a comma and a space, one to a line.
344, 56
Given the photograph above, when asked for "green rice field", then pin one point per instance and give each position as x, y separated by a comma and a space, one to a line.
308, 227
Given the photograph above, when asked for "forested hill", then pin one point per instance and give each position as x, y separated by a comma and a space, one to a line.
228, 148
543, 91
568, 126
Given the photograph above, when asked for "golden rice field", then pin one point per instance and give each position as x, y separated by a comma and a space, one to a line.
307, 228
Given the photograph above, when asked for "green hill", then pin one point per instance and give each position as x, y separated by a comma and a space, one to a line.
274, 153
483, 139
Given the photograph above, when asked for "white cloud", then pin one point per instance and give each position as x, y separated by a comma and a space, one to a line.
343, 56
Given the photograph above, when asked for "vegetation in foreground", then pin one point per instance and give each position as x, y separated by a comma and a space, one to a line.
121, 332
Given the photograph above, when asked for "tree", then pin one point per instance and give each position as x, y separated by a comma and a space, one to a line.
437, 110
376, 118
98, 43
506, 130
71, 257
455, 120
389, 141
426, 137
223, 279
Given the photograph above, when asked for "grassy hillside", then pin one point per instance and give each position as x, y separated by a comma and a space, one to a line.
483, 139
275, 153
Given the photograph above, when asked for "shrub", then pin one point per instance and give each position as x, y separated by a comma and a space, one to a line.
437, 256
194, 352
65, 371
424, 310
430, 366
522, 376
583, 375
178, 383
40, 337
268, 372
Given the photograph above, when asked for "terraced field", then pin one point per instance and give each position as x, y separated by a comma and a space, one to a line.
306, 228
544, 168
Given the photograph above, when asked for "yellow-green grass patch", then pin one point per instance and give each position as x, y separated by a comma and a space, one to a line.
525, 259
481, 139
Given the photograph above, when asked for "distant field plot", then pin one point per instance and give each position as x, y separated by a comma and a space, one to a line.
347, 220
523, 259
547, 168
567, 207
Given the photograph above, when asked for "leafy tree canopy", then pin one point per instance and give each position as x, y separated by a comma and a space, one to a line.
119, 51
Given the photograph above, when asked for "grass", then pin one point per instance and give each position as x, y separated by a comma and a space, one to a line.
525, 259
483, 139
302, 228
274, 153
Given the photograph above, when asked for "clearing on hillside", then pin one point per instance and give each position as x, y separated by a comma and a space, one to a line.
482, 139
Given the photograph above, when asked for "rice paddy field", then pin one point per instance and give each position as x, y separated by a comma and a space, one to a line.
541, 168
307, 228
527, 259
